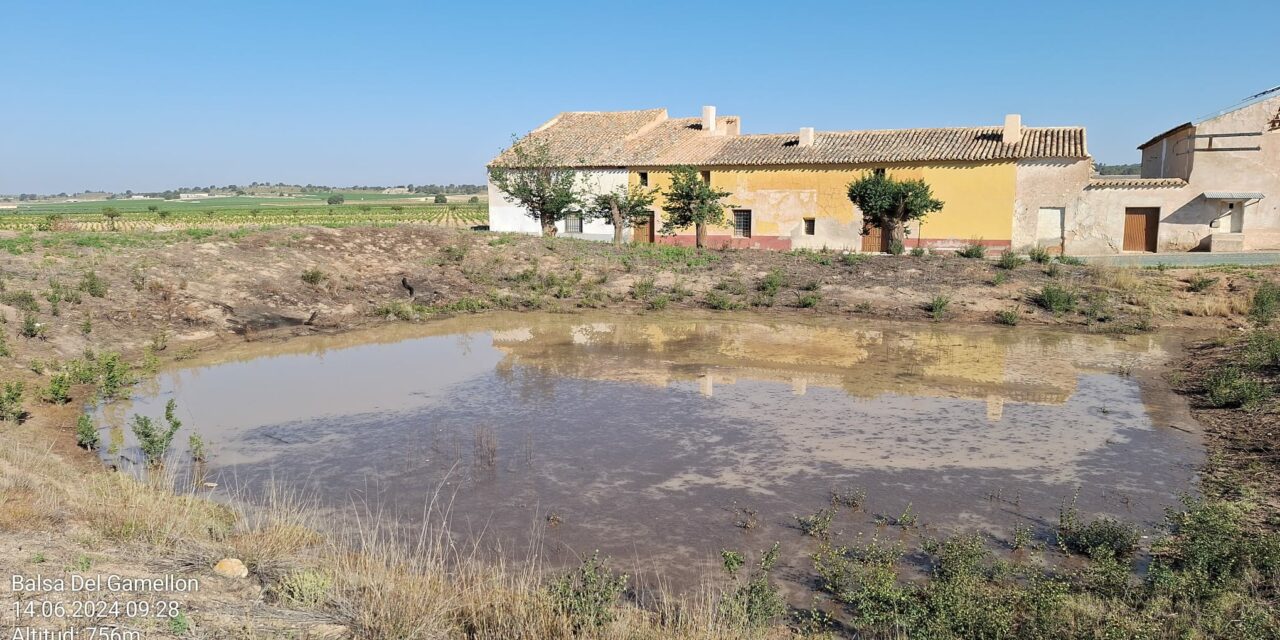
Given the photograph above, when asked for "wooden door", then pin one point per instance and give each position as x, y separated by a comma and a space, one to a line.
643, 230
875, 241
1141, 226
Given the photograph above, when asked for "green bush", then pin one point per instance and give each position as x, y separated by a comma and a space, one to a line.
1056, 299
1265, 304
937, 307
1101, 538
31, 327
1262, 350
853, 259
11, 402
313, 276
755, 603
1071, 260
441, 199
1200, 282
587, 595
643, 288
304, 587
1008, 317
1010, 260
817, 525
93, 284
1229, 387
1039, 255
773, 282
86, 434
918, 251
717, 300
20, 300
896, 248
59, 390
154, 441
973, 250
808, 300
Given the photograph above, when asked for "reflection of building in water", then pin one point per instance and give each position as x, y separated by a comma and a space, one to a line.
993, 367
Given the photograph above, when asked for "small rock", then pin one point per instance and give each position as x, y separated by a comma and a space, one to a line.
231, 568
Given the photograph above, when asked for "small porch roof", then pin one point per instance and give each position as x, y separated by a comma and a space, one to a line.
1233, 195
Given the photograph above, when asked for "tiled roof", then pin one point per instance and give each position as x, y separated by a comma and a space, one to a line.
649, 138
1134, 182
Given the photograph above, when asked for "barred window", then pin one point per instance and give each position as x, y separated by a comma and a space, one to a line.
809, 226
742, 224
573, 224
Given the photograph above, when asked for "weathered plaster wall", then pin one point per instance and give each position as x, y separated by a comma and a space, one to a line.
511, 217
978, 203
1046, 183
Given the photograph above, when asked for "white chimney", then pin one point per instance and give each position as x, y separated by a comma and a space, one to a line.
709, 119
806, 136
1012, 129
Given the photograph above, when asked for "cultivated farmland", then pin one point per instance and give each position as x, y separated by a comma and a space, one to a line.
104, 215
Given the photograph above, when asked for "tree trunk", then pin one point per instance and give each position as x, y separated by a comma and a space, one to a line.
700, 235
897, 233
617, 224
548, 225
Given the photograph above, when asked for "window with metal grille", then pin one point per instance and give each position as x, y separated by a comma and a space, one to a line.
644, 178
809, 226
742, 224
573, 224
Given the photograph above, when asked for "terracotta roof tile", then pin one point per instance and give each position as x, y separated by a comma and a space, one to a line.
649, 138
1134, 182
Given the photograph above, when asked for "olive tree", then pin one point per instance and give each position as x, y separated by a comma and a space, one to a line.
690, 200
623, 207
535, 178
889, 203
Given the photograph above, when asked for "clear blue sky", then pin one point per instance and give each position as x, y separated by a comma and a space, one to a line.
147, 96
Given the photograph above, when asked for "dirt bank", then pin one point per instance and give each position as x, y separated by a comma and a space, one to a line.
155, 300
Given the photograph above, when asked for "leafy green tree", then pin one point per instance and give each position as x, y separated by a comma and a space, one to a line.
536, 179
622, 207
154, 440
690, 200
336, 198
441, 198
111, 214
889, 203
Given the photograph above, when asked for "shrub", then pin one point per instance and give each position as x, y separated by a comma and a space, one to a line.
1263, 349
720, 301
86, 434
1008, 317
93, 284
474, 200
336, 198
1054, 270
852, 498
1101, 538
853, 259
313, 276
1200, 282
441, 199
20, 300
643, 288
1230, 387
773, 282
11, 402
973, 250
1265, 304
154, 441
59, 390
896, 248
1039, 255
937, 307
304, 587
587, 594
195, 447
918, 251
1010, 260
658, 303
1056, 299
808, 300
757, 602
1071, 260
31, 327
817, 525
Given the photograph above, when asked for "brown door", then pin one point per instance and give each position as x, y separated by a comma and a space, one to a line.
643, 231
875, 241
1141, 225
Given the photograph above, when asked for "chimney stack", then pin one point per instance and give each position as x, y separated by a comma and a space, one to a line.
1012, 129
806, 136
709, 119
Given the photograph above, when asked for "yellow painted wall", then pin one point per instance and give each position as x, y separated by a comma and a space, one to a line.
978, 197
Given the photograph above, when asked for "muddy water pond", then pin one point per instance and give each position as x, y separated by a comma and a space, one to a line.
660, 441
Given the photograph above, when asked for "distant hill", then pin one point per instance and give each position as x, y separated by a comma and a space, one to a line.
1118, 169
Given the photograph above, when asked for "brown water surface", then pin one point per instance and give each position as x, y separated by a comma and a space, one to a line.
650, 437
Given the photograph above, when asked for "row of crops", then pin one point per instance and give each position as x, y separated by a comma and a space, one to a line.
447, 215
